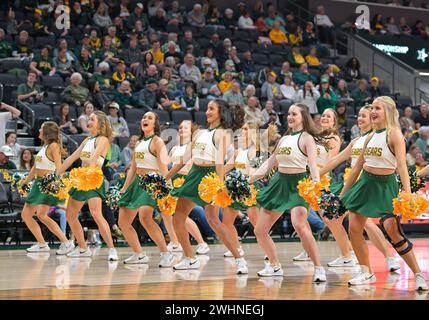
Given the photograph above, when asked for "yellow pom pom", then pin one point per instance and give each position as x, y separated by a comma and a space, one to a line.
167, 205
222, 199
251, 201
63, 194
209, 187
86, 178
409, 206
325, 180
346, 174
310, 191
178, 182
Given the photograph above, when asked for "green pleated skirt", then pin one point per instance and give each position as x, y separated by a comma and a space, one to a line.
281, 194
85, 195
189, 189
336, 187
371, 195
135, 197
36, 197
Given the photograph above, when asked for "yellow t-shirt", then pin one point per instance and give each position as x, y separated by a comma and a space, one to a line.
224, 86
158, 57
295, 39
278, 36
299, 59
312, 61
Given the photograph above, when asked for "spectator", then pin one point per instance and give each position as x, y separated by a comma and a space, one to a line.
98, 97
214, 16
5, 163
188, 40
234, 96
16, 147
274, 17
107, 53
341, 109
324, 25
164, 98
63, 64
268, 110
342, 92
29, 92
147, 96
253, 113
63, 45
260, 25
26, 160
412, 155
407, 121
309, 96
65, 122
209, 60
128, 151
85, 63
121, 74
151, 73
250, 91
353, 69
102, 76
148, 60
172, 51
112, 34
288, 90
88, 109
375, 89
75, 93
124, 95
114, 159
377, 24
22, 47
309, 37
12, 24
188, 71
423, 138
78, 17
422, 119
330, 74
132, 55
216, 45
245, 21
196, 16
101, 18
295, 57
118, 123
138, 15
312, 59
159, 21
174, 15
361, 95
318, 117
328, 98
158, 56
94, 40
271, 89
43, 63
404, 28
303, 75
295, 37
277, 36
167, 74
190, 100
5, 47
258, 9
248, 67
392, 27
229, 21
204, 86
225, 84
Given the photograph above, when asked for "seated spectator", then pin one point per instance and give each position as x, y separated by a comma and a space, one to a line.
225, 84
248, 67
112, 34
342, 92
12, 24
391, 27
253, 113
295, 57
43, 63
406, 121
94, 40
214, 16
128, 151
101, 18
341, 109
312, 59
303, 75
65, 122
113, 158
118, 123
22, 47
75, 93
124, 96
375, 89
309, 37
107, 53
164, 97
188, 71
245, 21
422, 140
422, 119
250, 91
274, 17
190, 100
16, 147
404, 28
353, 69
277, 36
412, 155
26, 160
121, 74
229, 20
85, 64
88, 109
30, 92
147, 96
175, 15
172, 51
271, 89
132, 55
234, 96
284, 71
309, 96
196, 17
210, 55
328, 98
63, 64
102, 76
329, 72
260, 25
324, 25
63, 45
288, 89
361, 95
208, 81
230, 67
5, 47
159, 21
158, 56
79, 17
188, 40
377, 24
98, 97
295, 37
167, 74
5, 162
268, 111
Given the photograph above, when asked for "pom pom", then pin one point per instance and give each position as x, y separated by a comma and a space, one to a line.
154, 184
331, 205
167, 204
55, 186
222, 198
213, 191
17, 184
409, 205
251, 201
86, 178
237, 185
113, 196
346, 174
325, 181
310, 191
178, 182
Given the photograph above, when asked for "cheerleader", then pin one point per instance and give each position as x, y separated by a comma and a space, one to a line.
150, 155
294, 152
374, 233
371, 195
92, 151
241, 161
207, 152
186, 130
47, 160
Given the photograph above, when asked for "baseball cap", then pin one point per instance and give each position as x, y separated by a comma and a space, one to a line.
114, 105
8, 152
207, 61
163, 82
229, 63
140, 5
375, 79
324, 80
151, 80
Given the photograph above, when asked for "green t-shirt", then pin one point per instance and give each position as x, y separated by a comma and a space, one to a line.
44, 65
24, 88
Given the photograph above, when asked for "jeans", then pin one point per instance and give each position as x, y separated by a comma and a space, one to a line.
61, 214
198, 214
315, 221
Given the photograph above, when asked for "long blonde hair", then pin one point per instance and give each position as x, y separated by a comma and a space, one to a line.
392, 114
104, 128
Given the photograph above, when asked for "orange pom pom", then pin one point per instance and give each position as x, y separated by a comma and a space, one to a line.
178, 182
409, 205
167, 205
222, 199
86, 178
251, 201
310, 191
63, 194
209, 187
325, 181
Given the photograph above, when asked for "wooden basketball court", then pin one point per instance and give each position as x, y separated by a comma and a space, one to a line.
44, 276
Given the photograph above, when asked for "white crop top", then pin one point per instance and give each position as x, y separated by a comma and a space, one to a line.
42, 161
289, 155
176, 156
358, 147
377, 152
89, 149
144, 158
204, 148
322, 156
242, 162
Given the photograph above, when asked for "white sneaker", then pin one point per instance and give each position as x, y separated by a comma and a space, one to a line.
174, 248
187, 264
342, 262
137, 258
319, 274
65, 248
362, 278
271, 271
303, 256
113, 255
421, 284
228, 254
392, 264
355, 259
38, 248
241, 266
202, 248
167, 259
80, 253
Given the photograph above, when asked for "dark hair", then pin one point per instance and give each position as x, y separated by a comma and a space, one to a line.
67, 116
230, 117
157, 128
9, 133
349, 63
21, 160
91, 84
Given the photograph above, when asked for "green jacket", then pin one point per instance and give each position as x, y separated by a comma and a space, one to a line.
359, 97
5, 49
323, 103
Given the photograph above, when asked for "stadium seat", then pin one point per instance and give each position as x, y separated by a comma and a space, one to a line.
203, 104
134, 129
200, 118
52, 81
180, 115
163, 115
404, 101
123, 141
134, 115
